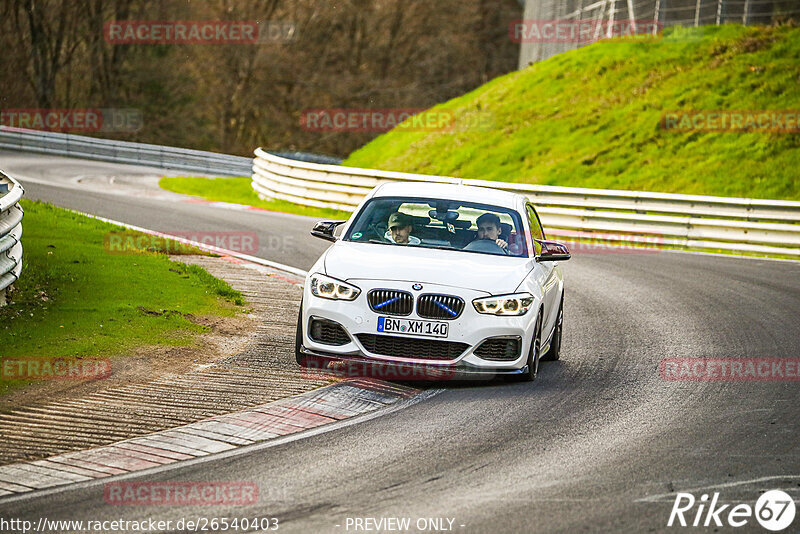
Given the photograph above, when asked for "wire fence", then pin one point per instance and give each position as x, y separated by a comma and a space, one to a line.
606, 17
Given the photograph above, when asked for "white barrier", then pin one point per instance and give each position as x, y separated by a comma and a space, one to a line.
10, 233
659, 219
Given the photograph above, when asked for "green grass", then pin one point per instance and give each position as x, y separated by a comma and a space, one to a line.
76, 299
239, 191
591, 118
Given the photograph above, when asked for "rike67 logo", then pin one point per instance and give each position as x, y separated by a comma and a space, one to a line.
774, 510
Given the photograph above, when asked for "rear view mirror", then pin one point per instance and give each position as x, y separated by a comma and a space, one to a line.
444, 216
325, 229
553, 251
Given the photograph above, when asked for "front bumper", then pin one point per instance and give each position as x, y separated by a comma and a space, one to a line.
470, 329
356, 365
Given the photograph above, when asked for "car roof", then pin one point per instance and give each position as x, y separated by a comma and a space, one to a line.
466, 193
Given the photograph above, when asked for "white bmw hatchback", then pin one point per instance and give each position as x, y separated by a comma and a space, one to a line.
454, 279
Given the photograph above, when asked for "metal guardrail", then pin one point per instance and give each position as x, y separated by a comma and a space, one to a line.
10, 233
309, 157
653, 219
162, 157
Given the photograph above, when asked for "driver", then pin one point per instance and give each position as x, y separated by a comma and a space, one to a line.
400, 228
489, 228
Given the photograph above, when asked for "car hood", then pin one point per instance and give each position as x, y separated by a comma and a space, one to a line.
482, 272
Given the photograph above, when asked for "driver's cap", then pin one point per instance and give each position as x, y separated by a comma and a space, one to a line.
400, 219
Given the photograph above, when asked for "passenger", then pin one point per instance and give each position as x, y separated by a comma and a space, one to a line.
489, 228
400, 228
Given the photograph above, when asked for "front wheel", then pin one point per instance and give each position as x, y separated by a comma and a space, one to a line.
302, 359
555, 344
533, 353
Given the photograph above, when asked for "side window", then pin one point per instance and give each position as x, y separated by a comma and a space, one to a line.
536, 229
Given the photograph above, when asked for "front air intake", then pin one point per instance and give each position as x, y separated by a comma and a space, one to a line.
439, 306
327, 332
499, 349
390, 301
404, 347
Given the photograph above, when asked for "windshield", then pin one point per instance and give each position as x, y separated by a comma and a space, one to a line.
442, 224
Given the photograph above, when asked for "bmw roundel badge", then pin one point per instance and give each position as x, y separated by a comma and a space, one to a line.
416, 287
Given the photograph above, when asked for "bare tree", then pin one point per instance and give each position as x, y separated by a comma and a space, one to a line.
231, 98
105, 60
47, 30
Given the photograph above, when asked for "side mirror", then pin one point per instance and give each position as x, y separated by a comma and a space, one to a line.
553, 251
324, 229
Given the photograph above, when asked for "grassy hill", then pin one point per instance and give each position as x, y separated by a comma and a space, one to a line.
591, 118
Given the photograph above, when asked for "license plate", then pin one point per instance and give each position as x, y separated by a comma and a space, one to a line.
412, 327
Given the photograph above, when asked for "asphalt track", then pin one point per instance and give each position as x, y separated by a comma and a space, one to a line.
600, 442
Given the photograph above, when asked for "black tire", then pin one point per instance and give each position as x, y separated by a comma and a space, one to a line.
533, 354
554, 353
302, 360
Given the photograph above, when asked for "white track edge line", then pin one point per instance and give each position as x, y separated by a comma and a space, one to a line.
202, 246
657, 497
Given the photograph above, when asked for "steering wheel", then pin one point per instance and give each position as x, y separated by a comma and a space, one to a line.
374, 232
485, 245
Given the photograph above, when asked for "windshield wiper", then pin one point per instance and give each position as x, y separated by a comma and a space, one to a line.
436, 247
447, 248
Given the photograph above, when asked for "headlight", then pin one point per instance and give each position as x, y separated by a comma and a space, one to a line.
330, 288
516, 304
